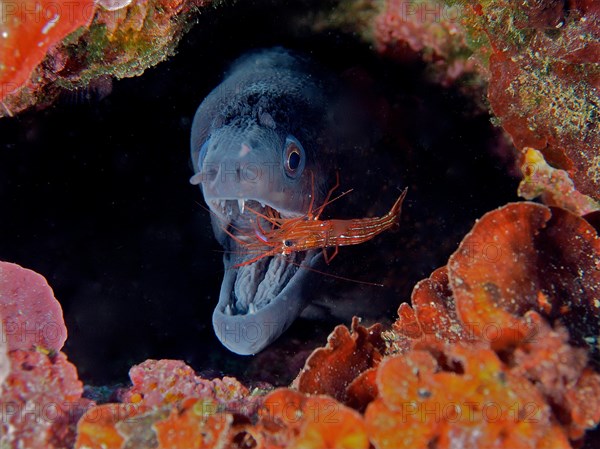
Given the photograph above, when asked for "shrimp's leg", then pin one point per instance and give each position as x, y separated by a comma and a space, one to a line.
327, 258
333, 189
312, 194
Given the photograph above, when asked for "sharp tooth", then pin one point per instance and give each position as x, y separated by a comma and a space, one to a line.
251, 308
262, 205
228, 310
241, 205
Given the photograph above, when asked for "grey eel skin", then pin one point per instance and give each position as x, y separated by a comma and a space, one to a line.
259, 139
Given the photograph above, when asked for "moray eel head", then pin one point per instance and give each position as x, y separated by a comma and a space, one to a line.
257, 147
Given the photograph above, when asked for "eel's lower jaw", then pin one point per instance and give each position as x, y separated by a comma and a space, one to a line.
248, 332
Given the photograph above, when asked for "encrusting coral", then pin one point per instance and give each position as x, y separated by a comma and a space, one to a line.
494, 351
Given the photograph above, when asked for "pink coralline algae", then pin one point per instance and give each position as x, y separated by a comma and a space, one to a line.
160, 382
30, 314
40, 401
169, 406
4, 360
40, 396
429, 29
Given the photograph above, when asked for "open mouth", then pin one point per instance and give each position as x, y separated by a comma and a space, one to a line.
258, 272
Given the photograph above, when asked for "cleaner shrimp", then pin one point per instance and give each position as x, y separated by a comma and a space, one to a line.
289, 235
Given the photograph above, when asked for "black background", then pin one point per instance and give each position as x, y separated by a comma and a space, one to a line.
94, 195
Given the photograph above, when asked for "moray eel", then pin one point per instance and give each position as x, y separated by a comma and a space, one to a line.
264, 138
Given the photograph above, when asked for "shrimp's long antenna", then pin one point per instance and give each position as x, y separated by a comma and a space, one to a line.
342, 278
275, 252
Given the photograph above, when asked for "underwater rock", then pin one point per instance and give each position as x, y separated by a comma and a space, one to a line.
40, 401
544, 83
559, 372
285, 419
122, 41
28, 29
553, 185
521, 268
538, 59
429, 31
31, 316
168, 406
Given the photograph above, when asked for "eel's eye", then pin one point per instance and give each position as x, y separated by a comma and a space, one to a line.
293, 157
293, 160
